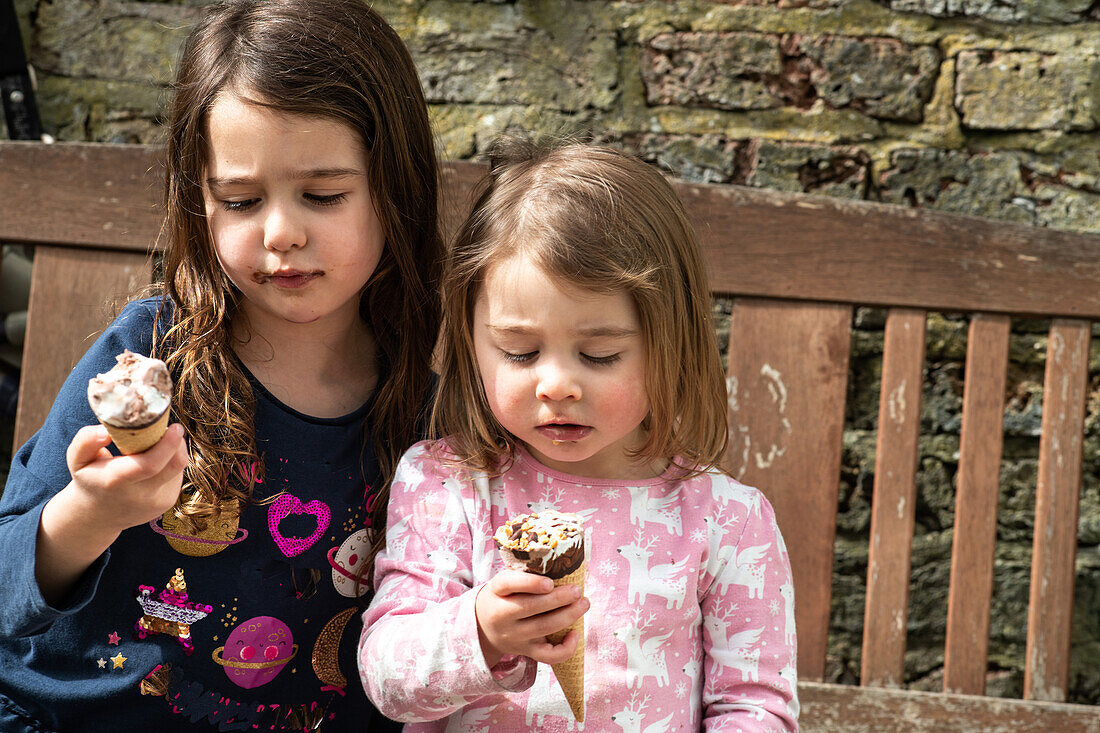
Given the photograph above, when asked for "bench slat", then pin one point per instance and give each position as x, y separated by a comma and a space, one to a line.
111, 191
893, 507
1050, 611
847, 709
975, 535
786, 427
72, 295
757, 242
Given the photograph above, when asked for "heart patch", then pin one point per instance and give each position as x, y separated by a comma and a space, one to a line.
288, 504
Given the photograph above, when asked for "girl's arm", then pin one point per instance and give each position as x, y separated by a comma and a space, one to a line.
39, 472
749, 649
420, 657
106, 495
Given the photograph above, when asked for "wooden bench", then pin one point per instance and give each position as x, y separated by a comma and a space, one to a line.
796, 267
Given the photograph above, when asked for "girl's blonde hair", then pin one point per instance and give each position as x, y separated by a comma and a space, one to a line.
340, 60
596, 218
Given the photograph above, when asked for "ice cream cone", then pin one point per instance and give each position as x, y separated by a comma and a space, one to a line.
138, 440
570, 673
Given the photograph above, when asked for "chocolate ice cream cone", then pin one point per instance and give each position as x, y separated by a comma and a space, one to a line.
138, 440
570, 673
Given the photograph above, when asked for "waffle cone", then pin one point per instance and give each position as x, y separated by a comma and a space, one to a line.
138, 440
570, 673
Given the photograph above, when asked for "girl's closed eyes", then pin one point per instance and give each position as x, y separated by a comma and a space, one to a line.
314, 199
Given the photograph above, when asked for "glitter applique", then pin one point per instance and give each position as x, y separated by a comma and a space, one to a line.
288, 504
113, 638
170, 612
118, 659
349, 563
221, 532
256, 651
326, 662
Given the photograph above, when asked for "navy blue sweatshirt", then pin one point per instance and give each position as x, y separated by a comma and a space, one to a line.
251, 625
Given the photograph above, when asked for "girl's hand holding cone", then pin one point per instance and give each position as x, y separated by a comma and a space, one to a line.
517, 611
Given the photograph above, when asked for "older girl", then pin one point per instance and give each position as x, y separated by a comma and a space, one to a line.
297, 318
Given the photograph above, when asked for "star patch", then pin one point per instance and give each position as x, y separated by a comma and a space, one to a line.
118, 659
102, 663
113, 638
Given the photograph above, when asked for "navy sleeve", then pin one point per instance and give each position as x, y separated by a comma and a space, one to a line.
39, 471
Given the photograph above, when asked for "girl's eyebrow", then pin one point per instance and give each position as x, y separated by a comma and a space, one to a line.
304, 174
613, 332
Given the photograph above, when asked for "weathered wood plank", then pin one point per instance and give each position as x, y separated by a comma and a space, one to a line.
848, 709
786, 245
894, 504
1050, 608
73, 295
81, 194
974, 539
786, 424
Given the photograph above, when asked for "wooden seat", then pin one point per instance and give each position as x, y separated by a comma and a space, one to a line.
796, 267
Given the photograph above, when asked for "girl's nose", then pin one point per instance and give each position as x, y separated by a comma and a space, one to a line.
556, 382
282, 230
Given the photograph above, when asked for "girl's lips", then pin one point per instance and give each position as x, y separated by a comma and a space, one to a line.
290, 279
561, 433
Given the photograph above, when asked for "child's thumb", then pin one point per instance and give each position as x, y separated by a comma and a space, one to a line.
86, 444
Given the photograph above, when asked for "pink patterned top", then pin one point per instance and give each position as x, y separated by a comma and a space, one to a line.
692, 619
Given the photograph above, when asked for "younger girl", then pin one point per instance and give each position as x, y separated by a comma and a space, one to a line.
297, 319
580, 373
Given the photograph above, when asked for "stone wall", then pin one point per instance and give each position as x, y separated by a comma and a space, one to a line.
972, 106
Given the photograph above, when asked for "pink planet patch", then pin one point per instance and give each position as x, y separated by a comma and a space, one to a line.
262, 636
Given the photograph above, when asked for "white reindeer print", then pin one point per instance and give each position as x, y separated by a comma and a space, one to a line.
724, 493
735, 651
666, 580
787, 591
790, 674
630, 720
694, 670
555, 499
663, 509
643, 658
397, 537
732, 651
747, 571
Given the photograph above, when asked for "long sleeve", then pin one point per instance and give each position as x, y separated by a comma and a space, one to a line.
749, 645
39, 471
419, 656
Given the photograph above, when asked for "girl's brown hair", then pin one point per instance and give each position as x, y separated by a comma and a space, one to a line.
600, 219
340, 60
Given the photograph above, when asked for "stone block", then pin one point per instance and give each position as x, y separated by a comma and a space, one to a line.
519, 56
989, 184
881, 77
117, 41
714, 70
999, 11
842, 172
1025, 90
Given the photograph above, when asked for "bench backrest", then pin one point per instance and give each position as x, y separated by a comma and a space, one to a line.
796, 267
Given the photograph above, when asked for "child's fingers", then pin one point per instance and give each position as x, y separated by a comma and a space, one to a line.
509, 582
161, 458
86, 445
548, 653
555, 619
